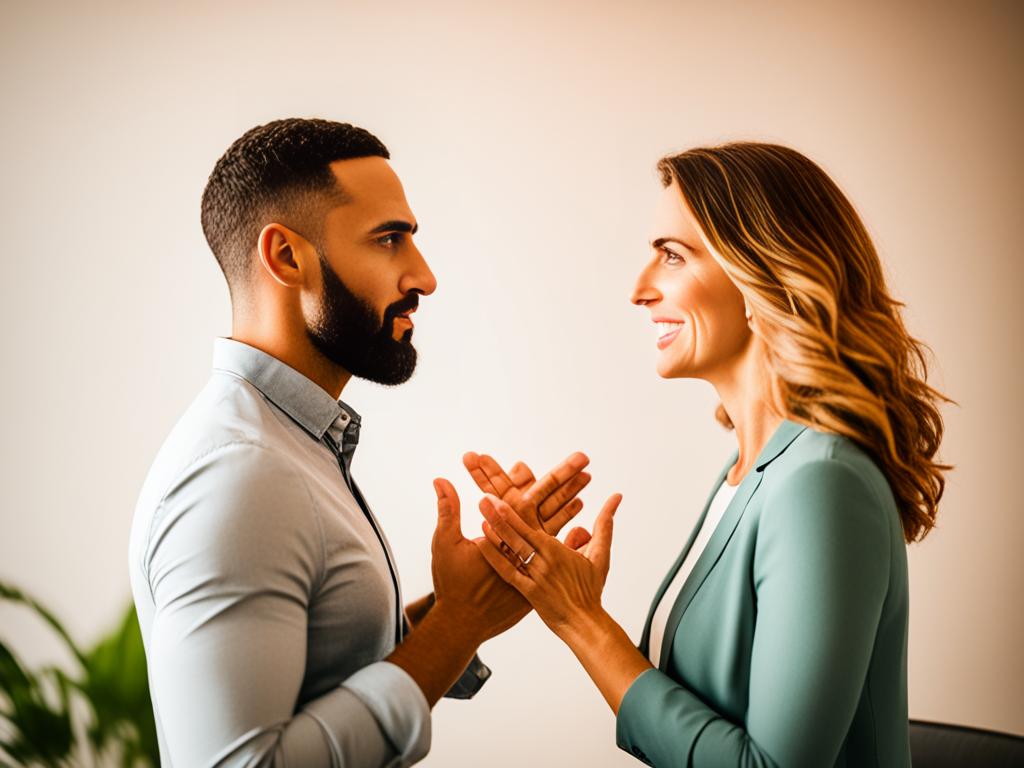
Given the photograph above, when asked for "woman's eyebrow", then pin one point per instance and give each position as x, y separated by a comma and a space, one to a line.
657, 243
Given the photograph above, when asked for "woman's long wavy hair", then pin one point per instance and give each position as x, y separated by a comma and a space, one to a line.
841, 358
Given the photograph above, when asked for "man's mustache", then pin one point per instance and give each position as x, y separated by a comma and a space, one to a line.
412, 301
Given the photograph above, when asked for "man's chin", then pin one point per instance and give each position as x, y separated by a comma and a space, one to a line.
390, 367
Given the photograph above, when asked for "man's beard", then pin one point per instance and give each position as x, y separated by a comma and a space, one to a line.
347, 332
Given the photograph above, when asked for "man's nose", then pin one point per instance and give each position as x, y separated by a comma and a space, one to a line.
418, 276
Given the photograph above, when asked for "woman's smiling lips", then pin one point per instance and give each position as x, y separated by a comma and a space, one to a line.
667, 331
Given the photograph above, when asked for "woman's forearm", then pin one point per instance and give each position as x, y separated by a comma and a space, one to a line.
606, 653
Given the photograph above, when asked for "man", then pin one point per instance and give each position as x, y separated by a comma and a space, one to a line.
268, 597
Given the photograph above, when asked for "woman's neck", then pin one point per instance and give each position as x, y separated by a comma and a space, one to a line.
745, 393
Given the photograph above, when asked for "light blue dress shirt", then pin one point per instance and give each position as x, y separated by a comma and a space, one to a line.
266, 591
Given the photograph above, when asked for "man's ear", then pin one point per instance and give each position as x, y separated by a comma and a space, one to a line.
282, 254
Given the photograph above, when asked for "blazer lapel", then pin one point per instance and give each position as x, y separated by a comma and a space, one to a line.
785, 434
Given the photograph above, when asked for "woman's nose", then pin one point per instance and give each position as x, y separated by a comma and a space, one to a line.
644, 291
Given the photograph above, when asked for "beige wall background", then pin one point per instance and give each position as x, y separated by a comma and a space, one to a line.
526, 137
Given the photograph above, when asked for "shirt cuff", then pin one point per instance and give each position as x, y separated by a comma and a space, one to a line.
471, 680
398, 705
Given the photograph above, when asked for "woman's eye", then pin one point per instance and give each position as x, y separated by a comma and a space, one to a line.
671, 257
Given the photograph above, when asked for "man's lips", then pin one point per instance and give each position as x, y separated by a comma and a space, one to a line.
402, 321
406, 316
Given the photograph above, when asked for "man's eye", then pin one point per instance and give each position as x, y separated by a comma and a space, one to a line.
390, 240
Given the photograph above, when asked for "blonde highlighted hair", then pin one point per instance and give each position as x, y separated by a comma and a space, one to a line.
842, 359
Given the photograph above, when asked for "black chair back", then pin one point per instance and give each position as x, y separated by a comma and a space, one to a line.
940, 745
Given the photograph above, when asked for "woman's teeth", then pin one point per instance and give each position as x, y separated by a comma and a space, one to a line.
666, 329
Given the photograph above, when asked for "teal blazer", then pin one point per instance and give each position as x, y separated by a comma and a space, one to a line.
787, 645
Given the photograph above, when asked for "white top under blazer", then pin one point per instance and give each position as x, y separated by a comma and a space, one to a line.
715, 512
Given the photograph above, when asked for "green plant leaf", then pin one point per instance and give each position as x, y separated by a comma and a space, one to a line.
113, 682
7, 592
41, 732
117, 685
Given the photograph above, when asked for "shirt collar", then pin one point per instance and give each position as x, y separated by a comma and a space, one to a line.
306, 402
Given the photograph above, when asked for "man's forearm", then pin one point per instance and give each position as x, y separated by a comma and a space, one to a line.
436, 652
417, 609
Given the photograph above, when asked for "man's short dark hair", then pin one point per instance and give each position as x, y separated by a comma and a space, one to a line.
276, 171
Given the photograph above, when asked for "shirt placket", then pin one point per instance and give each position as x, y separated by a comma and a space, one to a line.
343, 453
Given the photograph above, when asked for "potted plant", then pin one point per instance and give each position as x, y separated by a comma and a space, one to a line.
97, 713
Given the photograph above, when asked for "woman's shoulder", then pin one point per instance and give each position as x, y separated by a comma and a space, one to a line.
830, 466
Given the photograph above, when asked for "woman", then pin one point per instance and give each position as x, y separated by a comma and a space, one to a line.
779, 636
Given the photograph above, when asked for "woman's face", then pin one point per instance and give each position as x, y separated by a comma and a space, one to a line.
699, 316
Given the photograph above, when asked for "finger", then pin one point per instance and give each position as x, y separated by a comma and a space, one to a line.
449, 522
491, 535
471, 462
563, 495
534, 537
496, 475
521, 475
577, 538
601, 544
508, 525
563, 516
499, 544
558, 476
502, 566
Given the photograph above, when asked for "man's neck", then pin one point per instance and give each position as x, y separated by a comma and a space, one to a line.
300, 354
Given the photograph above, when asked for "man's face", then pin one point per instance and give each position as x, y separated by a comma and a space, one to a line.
372, 276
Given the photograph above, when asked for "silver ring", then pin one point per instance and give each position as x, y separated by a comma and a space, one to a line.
529, 557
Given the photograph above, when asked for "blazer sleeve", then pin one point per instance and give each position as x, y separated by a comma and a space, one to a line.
821, 571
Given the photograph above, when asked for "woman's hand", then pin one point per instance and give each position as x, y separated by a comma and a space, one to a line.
563, 583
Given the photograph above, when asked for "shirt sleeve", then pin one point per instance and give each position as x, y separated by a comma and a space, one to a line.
234, 554
821, 572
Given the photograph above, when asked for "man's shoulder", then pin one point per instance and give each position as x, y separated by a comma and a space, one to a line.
228, 416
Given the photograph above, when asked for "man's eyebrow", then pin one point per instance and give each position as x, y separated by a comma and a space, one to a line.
395, 225
658, 242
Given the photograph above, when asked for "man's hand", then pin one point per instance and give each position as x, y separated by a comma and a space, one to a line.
473, 603
546, 505
466, 588
553, 499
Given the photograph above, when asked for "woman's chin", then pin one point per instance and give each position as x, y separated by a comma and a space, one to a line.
671, 369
